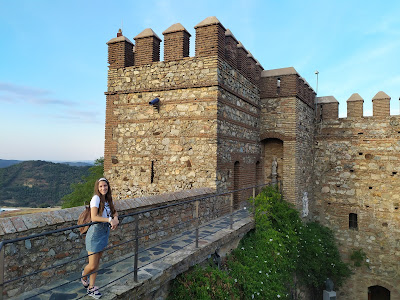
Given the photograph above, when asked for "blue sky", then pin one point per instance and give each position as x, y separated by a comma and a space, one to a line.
53, 58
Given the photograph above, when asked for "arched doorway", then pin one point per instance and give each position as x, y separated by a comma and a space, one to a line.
273, 151
377, 292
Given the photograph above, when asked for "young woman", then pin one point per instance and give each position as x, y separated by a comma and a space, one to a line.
102, 210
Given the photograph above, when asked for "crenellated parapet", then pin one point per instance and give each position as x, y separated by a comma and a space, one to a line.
212, 40
355, 106
120, 52
328, 107
286, 82
176, 42
147, 48
381, 105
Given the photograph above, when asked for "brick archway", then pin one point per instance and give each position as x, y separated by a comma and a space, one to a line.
272, 150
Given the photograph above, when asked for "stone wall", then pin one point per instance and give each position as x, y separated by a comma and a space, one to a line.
150, 151
357, 171
304, 169
64, 247
238, 132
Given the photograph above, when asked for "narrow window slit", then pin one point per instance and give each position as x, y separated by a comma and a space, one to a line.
152, 172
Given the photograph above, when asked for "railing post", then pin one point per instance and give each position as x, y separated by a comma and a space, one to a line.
231, 209
135, 267
2, 246
197, 223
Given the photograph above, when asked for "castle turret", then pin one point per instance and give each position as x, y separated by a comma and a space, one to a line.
176, 42
210, 38
381, 105
355, 106
147, 47
120, 52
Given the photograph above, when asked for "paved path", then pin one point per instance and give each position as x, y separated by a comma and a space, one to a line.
120, 270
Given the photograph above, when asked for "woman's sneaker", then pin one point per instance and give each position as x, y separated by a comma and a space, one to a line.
86, 282
94, 292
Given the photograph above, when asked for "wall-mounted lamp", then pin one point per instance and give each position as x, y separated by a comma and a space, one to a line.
278, 83
155, 103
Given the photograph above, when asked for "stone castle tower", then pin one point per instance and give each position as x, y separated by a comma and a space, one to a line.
220, 120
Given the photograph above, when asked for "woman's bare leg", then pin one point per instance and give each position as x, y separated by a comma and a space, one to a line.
93, 265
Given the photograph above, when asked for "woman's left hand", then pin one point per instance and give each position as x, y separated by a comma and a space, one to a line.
114, 223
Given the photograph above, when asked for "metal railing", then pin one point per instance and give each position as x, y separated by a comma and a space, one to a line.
198, 217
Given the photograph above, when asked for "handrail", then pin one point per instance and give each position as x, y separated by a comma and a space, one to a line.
137, 237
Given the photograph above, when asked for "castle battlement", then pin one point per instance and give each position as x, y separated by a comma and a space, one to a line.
286, 82
328, 107
212, 39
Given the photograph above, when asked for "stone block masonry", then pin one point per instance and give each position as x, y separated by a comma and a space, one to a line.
357, 172
175, 148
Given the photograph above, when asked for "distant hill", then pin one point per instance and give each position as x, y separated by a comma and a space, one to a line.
4, 163
77, 164
37, 183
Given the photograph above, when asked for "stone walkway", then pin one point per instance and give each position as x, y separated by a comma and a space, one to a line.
118, 271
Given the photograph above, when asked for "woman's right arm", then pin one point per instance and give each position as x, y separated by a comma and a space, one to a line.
94, 210
95, 217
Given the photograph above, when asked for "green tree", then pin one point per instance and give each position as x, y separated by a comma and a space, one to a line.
83, 191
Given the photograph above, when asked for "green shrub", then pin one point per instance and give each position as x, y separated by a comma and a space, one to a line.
267, 259
204, 283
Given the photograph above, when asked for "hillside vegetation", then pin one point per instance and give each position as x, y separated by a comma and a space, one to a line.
38, 183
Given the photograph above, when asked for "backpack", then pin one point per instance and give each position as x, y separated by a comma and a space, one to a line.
84, 218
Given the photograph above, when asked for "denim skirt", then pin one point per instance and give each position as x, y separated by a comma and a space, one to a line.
97, 237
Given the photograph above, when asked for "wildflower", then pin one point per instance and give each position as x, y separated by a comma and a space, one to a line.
235, 280
259, 272
278, 296
242, 248
270, 240
262, 282
367, 260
